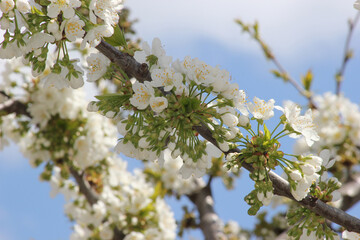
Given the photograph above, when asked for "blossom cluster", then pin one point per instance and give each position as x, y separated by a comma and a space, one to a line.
126, 201
162, 123
66, 138
32, 28
184, 95
169, 175
338, 125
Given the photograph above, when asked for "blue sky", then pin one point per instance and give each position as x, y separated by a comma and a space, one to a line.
302, 34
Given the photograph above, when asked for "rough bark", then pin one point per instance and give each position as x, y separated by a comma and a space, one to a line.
350, 192
210, 223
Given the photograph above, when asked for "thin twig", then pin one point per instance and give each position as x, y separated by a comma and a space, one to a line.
253, 31
292, 81
339, 76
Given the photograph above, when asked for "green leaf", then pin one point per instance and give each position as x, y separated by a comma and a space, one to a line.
112, 102
253, 210
117, 39
267, 133
36, 11
307, 80
152, 60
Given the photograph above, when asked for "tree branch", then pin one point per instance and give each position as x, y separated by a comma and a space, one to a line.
281, 186
84, 187
339, 76
253, 31
126, 62
350, 192
210, 223
14, 106
92, 197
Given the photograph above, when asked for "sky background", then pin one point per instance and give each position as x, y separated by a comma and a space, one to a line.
302, 34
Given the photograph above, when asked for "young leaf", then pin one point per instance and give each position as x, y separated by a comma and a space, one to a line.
117, 39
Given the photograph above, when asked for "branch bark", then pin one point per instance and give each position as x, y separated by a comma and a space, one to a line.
347, 53
92, 197
84, 187
350, 192
281, 186
14, 106
210, 223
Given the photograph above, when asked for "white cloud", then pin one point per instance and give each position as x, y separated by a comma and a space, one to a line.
290, 27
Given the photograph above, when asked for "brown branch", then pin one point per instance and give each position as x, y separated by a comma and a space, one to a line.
210, 223
14, 106
339, 76
350, 192
84, 187
92, 197
126, 62
281, 186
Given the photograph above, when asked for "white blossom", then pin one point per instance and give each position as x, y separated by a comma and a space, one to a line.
135, 236
93, 37
23, 6
224, 146
128, 149
230, 119
198, 168
7, 5
326, 155
302, 124
53, 28
65, 6
157, 50
143, 92
73, 28
37, 41
4, 23
265, 198
295, 175
166, 78
11, 50
350, 235
244, 120
260, 109
107, 10
97, 66
158, 104
240, 102
303, 186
